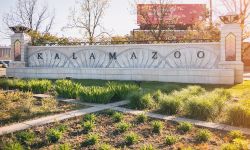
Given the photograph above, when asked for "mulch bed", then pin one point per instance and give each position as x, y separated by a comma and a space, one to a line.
105, 127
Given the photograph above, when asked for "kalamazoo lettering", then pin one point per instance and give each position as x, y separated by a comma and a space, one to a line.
113, 56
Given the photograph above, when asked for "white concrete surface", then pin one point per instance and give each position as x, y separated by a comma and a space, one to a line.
203, 76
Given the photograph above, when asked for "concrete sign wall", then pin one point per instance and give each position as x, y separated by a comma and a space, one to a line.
169, 56
208, 63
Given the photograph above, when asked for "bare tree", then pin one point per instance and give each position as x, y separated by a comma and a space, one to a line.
243, 8
31, 14
87, 17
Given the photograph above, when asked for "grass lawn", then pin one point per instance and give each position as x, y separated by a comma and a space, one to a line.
241, 91
129, 132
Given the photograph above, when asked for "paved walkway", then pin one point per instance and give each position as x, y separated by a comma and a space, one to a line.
246, 75
205, 124
59, 117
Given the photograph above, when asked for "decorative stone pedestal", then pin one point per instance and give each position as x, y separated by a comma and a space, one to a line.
19, 46
231, 35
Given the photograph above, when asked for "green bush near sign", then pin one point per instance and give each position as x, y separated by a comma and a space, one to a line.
96, 94
35, 86
67, 89
239, 114
121, 91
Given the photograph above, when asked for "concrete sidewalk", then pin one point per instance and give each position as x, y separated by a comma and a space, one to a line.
204, 124
246, 75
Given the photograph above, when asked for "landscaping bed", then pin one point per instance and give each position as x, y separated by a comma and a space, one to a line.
216, 103
21, 106
229, 106
111, 130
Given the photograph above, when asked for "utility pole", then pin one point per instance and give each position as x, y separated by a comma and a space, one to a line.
211, 12
241, 7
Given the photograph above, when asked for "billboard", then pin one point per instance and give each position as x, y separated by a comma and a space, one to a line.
181, 15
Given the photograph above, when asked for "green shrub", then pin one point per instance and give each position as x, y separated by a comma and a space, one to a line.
92, 139
203, 135
140, 101
141, 118
13, 146
188, 92
122, 126
185, 127
88, 126
25, 137
170, 105
158, 96
210, 105
36, 86
93, 94
147, 147
238, 144
171, 140
90, 117
105, 147
222, 94
169, 88
39, 86
13, 84
236, 134
117, 117
121, 90
239, 115
157, 126
67, 89
4, 84
200, 108
54, 135
219, 98
62, 128
21, 85
131, 138
65, 146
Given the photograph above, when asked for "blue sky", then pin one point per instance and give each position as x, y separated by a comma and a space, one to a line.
118, 18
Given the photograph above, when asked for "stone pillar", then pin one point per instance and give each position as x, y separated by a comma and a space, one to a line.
19, 47
231, 35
